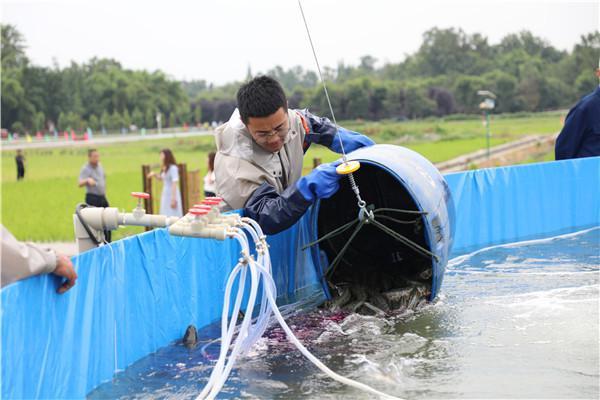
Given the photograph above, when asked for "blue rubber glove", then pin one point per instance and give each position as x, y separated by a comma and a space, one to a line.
352, 141
276, 212
321, 183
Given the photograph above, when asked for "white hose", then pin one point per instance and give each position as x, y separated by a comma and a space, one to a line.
249, 333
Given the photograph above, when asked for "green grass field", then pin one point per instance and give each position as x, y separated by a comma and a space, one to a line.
40, 207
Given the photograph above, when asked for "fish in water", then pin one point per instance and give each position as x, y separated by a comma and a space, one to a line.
369, 300
190, 339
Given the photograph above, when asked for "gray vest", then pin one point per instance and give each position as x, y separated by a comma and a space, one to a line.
241, 165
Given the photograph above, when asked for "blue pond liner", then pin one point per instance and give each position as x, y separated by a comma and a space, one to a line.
139, 294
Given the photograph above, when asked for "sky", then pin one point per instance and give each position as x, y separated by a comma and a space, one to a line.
218, 40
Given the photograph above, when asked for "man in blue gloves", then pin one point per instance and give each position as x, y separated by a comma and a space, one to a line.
260, 150
580, 137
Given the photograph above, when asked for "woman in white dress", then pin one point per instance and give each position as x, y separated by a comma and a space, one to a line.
170, 199
209, 179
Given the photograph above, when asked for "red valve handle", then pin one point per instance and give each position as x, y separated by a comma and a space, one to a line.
211, 202
203, 206
214, 198
198, 211
140, 195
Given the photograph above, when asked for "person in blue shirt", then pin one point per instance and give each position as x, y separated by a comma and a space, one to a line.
580, 136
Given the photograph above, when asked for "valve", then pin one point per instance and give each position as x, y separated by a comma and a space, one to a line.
199, 221
139, 211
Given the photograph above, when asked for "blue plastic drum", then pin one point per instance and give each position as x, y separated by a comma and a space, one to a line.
390, 177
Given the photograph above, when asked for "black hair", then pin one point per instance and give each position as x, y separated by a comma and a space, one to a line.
260, 97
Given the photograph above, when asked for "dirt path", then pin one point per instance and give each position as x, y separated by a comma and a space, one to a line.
505, 154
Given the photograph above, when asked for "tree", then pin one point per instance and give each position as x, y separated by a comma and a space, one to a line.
466, 92
137, 117
39, 122
149, 119
94, 123
441, 77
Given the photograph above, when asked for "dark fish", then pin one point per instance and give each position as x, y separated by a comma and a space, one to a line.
340, 299
190, 339
372, 298
408, 298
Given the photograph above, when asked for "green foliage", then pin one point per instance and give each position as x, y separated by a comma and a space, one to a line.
100, 87
441, 78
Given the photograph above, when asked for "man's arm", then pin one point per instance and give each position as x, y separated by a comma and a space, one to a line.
322, 131
21, 260
571, 135
276, 212
85, 179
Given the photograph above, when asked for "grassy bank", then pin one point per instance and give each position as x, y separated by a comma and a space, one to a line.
40, 207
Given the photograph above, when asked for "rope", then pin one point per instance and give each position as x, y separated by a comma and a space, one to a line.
398, 210
412, 221
404, 240
337, 231
335, 262
370, 219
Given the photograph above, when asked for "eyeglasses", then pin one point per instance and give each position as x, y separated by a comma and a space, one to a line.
281, 131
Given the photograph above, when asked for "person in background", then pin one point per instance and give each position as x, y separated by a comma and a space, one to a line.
580, 136
20, 160
170, 199
209, 178
93, 178
23, 259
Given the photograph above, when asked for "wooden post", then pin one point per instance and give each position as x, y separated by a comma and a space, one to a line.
183, 187
193, 187
147, 187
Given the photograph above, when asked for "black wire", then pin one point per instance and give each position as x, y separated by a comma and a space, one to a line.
78, 209
399, 211
421, 250
412, 221
337, 231
335, 262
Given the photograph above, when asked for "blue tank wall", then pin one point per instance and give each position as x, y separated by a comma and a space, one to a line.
139, 294
521, 202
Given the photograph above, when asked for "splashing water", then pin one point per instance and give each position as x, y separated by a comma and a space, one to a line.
519, 320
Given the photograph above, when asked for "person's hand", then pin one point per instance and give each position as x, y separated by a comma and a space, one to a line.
321, 183
351, 141
150, 174
174, 204
91, 182
64, 268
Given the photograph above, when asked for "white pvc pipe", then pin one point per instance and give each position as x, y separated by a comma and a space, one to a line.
143, 220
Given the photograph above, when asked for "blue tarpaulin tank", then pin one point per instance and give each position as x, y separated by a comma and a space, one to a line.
140, 293
390, 177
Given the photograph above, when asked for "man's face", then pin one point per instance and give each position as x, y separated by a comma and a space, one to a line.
270, 132
94, 158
